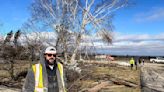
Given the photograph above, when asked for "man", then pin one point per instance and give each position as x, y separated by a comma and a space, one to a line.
47, 75
139, 61
136, 63
131, 63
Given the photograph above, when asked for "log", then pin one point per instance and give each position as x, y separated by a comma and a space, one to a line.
99, 86
123, 82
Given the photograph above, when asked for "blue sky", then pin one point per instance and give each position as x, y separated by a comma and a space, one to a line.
131, 19
138, 28
144, 17
13, 14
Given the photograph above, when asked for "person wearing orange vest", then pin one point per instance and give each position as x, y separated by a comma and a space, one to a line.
47, 75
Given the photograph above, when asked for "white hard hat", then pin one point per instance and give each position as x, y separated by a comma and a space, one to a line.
50, 49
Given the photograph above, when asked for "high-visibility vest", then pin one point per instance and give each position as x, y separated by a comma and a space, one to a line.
132, 61
39, 86
60, 67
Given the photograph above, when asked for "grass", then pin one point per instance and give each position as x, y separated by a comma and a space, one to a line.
4, 73
119, 72
17, 69
96, 74
125, 73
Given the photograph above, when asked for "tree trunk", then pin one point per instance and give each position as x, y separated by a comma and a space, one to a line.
65, 57
76, 49
72, 61
11, 69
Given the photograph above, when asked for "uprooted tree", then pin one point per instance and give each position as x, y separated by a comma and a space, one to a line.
73, 20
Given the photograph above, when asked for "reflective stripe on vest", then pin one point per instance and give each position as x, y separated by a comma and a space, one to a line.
60, 67
37, 68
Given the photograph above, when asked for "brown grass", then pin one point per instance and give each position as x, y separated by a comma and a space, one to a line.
95, 74
98, 74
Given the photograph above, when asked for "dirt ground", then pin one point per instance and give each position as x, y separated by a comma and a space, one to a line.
103, 77
95, 77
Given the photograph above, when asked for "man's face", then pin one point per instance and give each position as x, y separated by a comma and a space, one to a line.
50, 58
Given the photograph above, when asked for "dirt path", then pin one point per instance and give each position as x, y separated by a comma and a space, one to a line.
152, 77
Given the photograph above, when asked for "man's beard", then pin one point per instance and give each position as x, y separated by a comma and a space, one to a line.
50, 62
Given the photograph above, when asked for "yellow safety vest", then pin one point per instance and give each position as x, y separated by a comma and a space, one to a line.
39, 87
131, 61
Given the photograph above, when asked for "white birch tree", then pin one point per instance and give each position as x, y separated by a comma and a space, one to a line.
76, 18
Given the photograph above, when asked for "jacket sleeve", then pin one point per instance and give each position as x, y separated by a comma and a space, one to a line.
29, 84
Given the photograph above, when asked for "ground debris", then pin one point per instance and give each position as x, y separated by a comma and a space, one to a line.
123, 82
94, 77
99, 86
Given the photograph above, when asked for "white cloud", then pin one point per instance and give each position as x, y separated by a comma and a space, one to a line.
143, 40
144, 44
139, 37
156, 14
140, 44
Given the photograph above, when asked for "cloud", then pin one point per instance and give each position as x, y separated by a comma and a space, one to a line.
143, 44
137, 40
142, 40
139, 44
156, 14
123, 44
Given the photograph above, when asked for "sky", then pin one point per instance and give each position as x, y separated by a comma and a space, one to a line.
138, 28
13, 13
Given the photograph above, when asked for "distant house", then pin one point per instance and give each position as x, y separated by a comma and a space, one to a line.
104, 57
100, 57
109, 57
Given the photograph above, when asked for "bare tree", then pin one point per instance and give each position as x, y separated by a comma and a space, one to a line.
16, 36
8, 37
1, 45
78, 18
10, 52
32, 44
